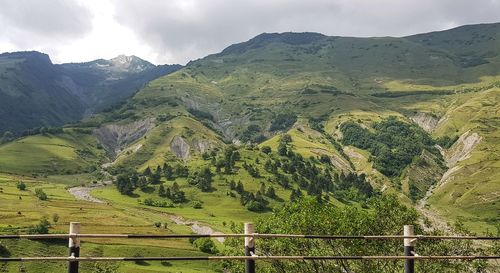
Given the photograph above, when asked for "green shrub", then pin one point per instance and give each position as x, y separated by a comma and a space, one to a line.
21, 186
197, 205
206, 245
41, 194
41, 228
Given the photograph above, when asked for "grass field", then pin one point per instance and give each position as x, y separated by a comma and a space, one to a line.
70, 152
21, 209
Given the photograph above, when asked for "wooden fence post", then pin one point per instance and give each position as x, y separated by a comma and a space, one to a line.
409, 246
249, 248
74, 247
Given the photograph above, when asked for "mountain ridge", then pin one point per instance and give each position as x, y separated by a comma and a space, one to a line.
66, 93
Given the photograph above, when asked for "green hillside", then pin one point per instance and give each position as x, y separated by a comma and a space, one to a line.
254, 90
235, 135
65, 153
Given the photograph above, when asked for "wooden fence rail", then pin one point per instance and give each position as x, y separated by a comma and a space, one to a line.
250, 257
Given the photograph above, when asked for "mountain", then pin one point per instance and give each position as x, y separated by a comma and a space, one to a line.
309, 85
338, 118
35, 92
106, 82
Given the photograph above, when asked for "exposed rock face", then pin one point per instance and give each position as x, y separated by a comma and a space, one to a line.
114, 138
426, 121
340, 163
180, 147
462, 148
202, 145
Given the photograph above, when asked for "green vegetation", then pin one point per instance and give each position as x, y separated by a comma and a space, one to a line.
40, 194
386, 215
45, 154
393, 143
299, 124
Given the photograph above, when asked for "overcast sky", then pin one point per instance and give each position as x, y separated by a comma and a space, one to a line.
176, 31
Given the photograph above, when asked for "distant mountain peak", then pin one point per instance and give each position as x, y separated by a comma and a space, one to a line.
131, 63
125, 59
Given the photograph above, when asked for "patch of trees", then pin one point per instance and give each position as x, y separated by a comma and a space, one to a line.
201, 179
317, 124
393, 143
252, 170
252, 134
228, 160
282, 122
446, 141
386, 215
129, 180
253, 202
175, 194
354, 187
126, 183
314, 177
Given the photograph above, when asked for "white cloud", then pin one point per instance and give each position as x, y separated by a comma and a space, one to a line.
176, 31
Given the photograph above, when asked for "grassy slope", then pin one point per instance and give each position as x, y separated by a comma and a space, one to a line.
71, 151
250, 87
250, 83
471, 193
95, 218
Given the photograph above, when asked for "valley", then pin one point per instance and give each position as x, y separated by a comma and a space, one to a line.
231, 137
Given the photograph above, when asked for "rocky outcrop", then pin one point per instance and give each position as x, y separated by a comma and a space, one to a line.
425, 121
462, 148
114, 138
460, 151
180, 147
202, 145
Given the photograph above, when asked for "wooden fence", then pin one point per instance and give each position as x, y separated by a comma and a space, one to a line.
408, 237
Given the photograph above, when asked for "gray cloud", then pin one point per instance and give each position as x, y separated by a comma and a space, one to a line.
40, 23
167, 31
181, 30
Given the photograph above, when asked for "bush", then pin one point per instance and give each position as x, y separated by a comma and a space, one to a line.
21, 186
41, 194
206, 245
197, 205
4, 252
266, 149
40, 228
157, 203
256, 206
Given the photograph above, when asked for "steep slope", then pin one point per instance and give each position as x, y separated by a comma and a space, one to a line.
69, 152
34, 92
106, 82
254, 90
311, 87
